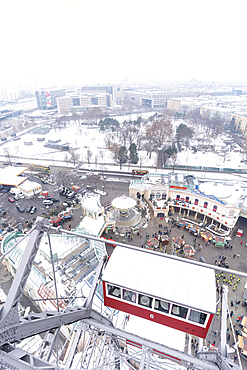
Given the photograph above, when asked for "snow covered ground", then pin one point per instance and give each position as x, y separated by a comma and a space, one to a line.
82, 138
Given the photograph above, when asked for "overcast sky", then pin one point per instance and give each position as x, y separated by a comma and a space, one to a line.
109, 41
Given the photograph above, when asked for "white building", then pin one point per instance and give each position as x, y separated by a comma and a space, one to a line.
210, 202
11, 176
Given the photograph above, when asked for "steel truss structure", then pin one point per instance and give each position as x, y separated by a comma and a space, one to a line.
94, 343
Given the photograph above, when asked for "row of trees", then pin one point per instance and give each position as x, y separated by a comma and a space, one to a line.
123, 155
154, 135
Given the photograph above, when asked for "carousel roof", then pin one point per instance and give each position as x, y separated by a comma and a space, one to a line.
123, 203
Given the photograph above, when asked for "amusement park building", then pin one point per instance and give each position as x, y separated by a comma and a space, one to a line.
215, 203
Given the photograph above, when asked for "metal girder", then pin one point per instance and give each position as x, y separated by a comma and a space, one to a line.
15, 359
87, 304
37, 323
169, 353
89, 300
9, 312
222, 362
14, 328
224, 295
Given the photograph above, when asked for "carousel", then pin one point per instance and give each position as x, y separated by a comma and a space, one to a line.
124, 212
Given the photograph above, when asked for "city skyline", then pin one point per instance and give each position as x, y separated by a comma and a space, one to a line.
86, 42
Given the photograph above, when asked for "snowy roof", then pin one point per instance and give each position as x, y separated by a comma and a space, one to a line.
226, 193
91, 202
123, 202
91, 225
170, 279
29, 185
10, 175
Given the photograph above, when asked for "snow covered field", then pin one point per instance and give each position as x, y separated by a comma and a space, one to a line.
82, 138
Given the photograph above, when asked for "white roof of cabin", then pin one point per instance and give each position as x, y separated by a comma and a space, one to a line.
170, 279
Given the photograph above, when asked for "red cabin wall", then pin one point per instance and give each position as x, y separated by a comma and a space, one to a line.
157, 317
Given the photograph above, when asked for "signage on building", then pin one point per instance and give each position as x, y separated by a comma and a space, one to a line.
178, 187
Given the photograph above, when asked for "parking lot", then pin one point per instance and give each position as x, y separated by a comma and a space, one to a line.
13, 215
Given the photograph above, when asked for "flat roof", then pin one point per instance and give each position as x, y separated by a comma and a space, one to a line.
155, 275
10, 175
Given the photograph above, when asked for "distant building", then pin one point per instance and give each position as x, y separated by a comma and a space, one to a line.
216, 111
47, 99
173, 104
115, 93
155, 98
90, 96
237, 92
68, 104
240, 123
9, 95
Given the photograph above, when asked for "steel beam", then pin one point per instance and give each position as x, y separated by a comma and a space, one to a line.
169, 353
15, 359
40, 322
9, 312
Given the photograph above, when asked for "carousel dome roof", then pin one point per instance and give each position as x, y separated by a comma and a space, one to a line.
123, 203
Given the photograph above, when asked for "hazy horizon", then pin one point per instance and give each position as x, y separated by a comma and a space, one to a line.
75, 42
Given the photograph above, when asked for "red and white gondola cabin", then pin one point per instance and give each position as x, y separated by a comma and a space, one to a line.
168, 291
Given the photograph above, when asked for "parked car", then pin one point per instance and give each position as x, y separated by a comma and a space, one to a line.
11, 200
2, 212
63, 192
33, 210
55, 200
70, 195
28, 209
21, 196
47, 202
49, 197
20, 208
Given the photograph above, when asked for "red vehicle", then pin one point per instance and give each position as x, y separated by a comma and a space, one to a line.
110, 245
167, 291
11, 200
240, 233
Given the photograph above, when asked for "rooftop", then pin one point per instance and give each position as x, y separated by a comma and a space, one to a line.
159, 276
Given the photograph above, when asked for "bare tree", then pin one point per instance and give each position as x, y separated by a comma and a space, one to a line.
96, 159
160, 130
74, 156
7, 154
66, 157
174, 160
89, 156
101, 154
64, 179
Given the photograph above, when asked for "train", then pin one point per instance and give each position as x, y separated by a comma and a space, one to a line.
38, 167
139, 172
168, 291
